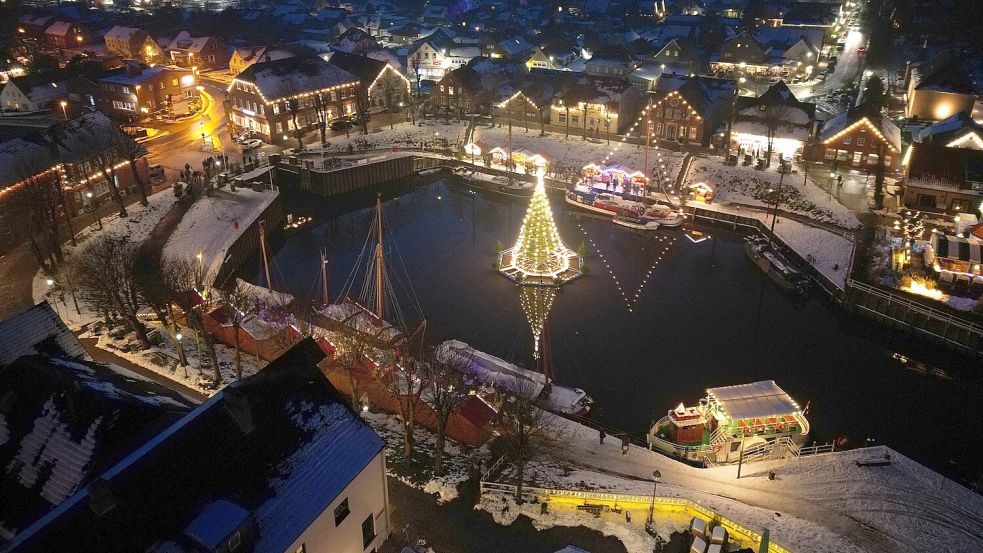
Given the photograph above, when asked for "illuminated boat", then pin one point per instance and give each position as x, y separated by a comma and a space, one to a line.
773, 264
757, 421
635, 223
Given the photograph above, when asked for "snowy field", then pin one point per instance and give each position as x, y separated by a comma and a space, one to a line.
744, 185
214, 223
824, 503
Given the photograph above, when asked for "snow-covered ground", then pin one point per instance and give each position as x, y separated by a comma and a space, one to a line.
745, 185
136, 227
214, 223
417, 472
818, 503
163, 359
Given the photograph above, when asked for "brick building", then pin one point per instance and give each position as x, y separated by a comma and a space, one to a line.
274, 98
53, 170
138, 91
205, 52
690, 110
856, 139
132, 43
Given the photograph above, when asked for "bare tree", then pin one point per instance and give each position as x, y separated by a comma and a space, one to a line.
448, 376
529, 433
293, 108
106, 272
362, 108
321, 109
237, 306
776, 117
132, 151
404, 377
353, 344
38, 200
193, 294
156, 289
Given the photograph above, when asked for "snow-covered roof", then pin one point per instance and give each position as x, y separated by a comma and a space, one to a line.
495, 371
187, 43
853, 116
515, 45
71, 421
755, 400
282, 442
953, 128
37, 330
58, 28
936, 167
296, 75
123, 33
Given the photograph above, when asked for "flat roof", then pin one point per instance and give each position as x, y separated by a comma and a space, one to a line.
754, 400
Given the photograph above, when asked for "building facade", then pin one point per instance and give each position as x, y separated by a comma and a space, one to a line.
138, 91
206, 52
858, 139
279, 99
132, 43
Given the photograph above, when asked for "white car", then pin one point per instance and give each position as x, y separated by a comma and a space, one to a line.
251, 143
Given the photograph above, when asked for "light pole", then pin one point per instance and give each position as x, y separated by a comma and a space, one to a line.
64, 109
656, 477
95, 208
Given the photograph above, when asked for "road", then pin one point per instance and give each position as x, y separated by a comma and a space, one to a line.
848, 68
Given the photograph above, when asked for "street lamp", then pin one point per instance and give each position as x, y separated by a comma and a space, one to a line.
64, 108
656, 477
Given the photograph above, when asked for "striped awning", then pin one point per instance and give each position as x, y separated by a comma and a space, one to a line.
957, 248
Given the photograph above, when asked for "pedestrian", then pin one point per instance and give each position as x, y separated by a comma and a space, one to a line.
624, 445
602, 434
839, 180
628, 516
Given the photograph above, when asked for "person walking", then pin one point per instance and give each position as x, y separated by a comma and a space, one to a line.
603, 435
624, 445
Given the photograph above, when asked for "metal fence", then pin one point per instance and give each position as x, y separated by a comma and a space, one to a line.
684, 507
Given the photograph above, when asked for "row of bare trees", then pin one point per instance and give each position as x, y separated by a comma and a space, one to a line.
418, 375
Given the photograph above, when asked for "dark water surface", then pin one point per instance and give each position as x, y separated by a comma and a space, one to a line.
705, 317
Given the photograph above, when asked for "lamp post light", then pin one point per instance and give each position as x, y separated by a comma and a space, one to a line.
656, 477
95, 208
64, 108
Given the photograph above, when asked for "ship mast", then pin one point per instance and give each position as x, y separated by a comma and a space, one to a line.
645, 164
266, 261
378, 256
324, 279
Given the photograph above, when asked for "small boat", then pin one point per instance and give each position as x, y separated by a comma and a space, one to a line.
604, 202
664, 215
637, 223
773, 264
515, 187
921, 368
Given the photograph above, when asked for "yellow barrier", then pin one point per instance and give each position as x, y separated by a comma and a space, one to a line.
664, 505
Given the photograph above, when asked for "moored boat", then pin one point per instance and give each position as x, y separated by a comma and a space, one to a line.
754, 421
663, 214
513, 379
772, 263
637, 223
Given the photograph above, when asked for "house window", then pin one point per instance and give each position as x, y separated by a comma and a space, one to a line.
925, 200
341, 512
562, 118
301, 549
575, 119
368, 531
846, 139
860, 141
692, 133
830, 154
734, 446
961, 205
173, 82
126, 90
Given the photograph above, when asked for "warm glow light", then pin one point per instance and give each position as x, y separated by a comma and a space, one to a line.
924, 288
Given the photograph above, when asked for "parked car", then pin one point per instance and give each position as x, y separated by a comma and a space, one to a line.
359, 118
251, 143
340, 124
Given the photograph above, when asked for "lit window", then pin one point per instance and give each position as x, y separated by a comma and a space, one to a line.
860, 141
368, 531
846, 139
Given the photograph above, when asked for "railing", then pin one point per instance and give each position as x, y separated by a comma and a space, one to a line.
668, 505
812, 450
494, 466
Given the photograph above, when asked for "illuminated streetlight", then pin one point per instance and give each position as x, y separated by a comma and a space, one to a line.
50, 281
64, 108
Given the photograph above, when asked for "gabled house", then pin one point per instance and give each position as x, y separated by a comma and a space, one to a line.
592, 106
245, 56
34, 92
942, 179
65, 34
939, 88
32, 26
132, 43
138, 91
70, 154
776, 119
860, 138
275, 462
478, 87
204, 52
355, 41
769, 51
383, 87
690, 110
957, 131
610, 64
278, 99
438, 53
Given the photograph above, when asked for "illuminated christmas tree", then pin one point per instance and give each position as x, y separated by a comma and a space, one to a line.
536, 303
539, 256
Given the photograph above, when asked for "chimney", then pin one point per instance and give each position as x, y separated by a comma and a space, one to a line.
236, 404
